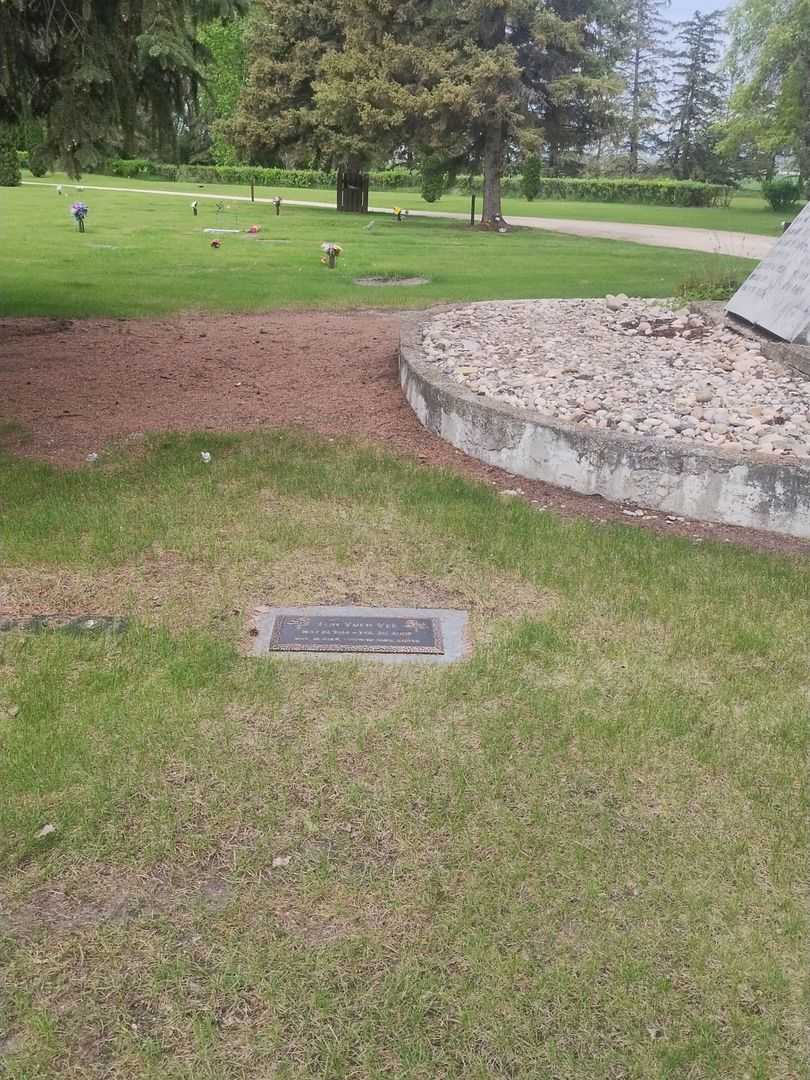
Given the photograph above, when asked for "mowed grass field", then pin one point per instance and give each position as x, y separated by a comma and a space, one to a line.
748, 211
580, 854
146, 254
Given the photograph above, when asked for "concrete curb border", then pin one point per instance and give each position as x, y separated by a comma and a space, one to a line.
708, 485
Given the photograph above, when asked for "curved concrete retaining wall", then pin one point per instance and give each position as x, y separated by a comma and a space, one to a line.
709, 485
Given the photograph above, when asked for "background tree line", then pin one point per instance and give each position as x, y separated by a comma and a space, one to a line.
562, 87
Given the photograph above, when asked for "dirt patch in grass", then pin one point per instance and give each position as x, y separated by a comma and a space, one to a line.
492, 598
322, 554
91, 896
78, 386
151, 590
389, 280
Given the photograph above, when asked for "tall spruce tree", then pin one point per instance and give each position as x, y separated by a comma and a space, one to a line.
644, 76
697, 98
92, 69
354, 82
568, 55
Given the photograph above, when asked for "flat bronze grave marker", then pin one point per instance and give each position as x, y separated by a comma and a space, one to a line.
356, 633
385, 635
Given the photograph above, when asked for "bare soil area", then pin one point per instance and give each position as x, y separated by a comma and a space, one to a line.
73, 387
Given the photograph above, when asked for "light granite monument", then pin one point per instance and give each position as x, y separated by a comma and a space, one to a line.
776, 296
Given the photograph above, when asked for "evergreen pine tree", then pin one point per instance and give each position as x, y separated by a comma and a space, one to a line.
96, 69
644, 76
697, 95
354, 82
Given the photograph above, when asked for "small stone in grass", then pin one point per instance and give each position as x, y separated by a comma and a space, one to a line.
46, 830
281, 860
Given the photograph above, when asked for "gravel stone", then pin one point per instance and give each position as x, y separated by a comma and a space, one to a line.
635, 366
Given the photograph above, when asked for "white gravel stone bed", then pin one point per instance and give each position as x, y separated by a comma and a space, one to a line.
635, 366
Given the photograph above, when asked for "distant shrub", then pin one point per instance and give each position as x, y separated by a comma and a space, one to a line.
602, 189
471, 185
394, 180
596, 189
143, 169
39, 161
434, 179
654, 192
9, 161
22, 159
782, 192
532, 178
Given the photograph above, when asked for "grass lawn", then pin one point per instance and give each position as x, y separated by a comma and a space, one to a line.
580, 854
747, 213
144, 255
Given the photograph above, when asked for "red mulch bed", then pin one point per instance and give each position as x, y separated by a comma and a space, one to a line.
74, 386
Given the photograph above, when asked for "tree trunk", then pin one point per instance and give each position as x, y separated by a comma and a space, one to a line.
635, 118
491, 34
492, 166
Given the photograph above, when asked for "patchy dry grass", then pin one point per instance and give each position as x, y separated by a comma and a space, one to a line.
579, 854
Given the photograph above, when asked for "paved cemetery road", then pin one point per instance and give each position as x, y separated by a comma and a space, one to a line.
713, 241
75, 387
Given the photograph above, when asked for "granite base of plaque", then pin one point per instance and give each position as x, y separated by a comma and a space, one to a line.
390, 635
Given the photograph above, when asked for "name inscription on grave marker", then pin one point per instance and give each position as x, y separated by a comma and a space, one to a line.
356, 633
776, 296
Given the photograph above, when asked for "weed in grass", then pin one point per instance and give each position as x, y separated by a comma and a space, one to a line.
714, 281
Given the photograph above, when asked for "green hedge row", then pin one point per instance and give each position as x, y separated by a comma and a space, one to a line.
142, 169
656, 192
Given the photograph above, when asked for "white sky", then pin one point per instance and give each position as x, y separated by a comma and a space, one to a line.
682, 9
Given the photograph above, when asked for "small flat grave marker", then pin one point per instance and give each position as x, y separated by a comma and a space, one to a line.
71, 624
387, 634
356, 633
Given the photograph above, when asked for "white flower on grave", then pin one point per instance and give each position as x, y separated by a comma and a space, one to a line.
92, 457
205, 456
